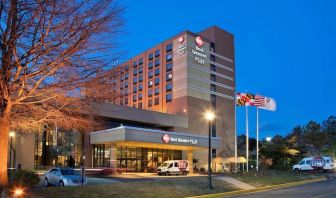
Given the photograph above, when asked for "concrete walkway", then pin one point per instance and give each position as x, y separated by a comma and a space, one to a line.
236, 183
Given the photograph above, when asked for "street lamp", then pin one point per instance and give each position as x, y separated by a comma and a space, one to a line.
209, 116
11, 135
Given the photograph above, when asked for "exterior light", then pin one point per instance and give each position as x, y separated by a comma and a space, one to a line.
268, 139
11, 134
18, 192
209, 115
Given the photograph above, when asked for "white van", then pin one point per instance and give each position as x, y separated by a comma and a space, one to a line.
323, 163
173, 167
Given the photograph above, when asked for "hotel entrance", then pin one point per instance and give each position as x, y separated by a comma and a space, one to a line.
135, 159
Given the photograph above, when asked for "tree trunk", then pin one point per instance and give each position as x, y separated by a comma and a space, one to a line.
4, 131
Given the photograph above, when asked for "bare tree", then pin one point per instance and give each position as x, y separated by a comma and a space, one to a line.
49, 50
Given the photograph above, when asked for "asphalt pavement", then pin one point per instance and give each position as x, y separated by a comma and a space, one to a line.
324, 189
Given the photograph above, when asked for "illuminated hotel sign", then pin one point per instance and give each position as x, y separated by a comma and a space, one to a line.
198, 51
181, 49
169, 138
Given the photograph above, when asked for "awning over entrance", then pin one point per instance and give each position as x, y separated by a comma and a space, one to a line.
141, 137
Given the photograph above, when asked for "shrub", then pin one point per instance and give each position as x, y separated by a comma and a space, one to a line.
26, 178
202, 170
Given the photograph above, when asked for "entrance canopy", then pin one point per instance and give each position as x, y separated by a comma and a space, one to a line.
152, 138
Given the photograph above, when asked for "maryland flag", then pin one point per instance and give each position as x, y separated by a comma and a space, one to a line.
245, 99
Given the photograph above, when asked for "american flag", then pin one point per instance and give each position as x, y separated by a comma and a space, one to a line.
259, 101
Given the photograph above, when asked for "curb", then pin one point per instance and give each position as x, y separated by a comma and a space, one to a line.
261, 189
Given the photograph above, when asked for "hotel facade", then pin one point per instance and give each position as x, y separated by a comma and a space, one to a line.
153, 107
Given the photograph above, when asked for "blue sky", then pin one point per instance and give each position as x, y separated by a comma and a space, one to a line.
284, 49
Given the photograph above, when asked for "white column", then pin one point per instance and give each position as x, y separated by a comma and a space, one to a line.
190, 160
247, 141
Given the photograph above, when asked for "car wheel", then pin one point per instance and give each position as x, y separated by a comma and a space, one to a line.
61, 183
167, 173
46, 183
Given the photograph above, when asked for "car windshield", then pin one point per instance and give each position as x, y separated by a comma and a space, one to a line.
69, 172
164, 164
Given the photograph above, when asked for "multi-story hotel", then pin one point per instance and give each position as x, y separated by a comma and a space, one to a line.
153, 106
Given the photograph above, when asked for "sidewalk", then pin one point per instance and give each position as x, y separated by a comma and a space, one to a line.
236, 183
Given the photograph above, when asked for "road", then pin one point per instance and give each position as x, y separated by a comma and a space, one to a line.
322, 189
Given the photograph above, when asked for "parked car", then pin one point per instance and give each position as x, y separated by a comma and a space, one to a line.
176, 167
63, 177
321, 163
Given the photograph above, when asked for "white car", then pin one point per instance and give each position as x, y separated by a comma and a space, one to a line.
323, 163
63, 177
176, 167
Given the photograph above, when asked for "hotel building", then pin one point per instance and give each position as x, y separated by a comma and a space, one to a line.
153, 106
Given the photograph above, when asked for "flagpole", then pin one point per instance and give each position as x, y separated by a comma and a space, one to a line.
247, 140
236, 153
257, 139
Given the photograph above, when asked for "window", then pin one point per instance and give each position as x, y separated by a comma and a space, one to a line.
212, 58
150, 83
140, 69
140, 78
140, 96
140, 105
135, 63
213, 77
157, 81
213, 88
135, 72
150, 65
126, 67
169, 97
134, 98
157, 71
169, 66
150, 93
126, 92
212, 67
140, 87
150, 56
150, 74
140, 61
169, 47
126, 76
126, 84
169, 57
213, 100
212, 46
157, 53
157, 62
150, 103
169, 77
156, 101
157, 91
135, 80
134, 89
302, 162
213, 153
308, 161
169, 87
126, 101
121, 77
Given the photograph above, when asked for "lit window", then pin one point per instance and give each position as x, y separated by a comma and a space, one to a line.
169, 77
150, 83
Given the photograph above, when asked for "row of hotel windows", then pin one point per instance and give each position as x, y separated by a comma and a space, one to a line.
169, 98
169, 48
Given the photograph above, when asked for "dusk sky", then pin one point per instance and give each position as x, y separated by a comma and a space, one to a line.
284, 50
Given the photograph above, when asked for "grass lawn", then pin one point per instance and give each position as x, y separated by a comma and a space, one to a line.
172, 187
264, 178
